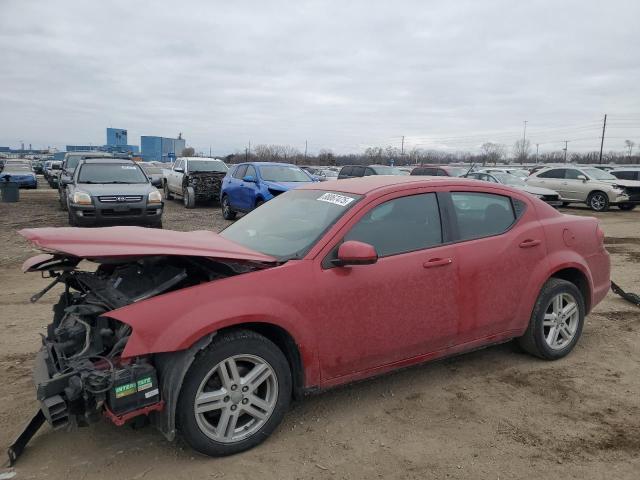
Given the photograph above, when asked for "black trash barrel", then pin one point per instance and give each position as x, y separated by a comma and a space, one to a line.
10, 191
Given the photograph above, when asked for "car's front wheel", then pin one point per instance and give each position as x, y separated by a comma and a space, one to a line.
234, 395
598, 202
556, 321
227, 212
189, 197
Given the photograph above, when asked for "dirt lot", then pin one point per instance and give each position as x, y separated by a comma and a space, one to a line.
496, 413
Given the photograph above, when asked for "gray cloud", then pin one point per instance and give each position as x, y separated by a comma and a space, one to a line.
343, 75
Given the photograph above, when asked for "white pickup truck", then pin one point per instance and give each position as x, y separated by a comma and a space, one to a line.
195, 179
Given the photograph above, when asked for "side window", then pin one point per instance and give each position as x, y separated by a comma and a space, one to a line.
368, 171
491, 178
250, 171
625, 175
357, 172
442, 173
240, 171
401, 225
482, 214
554, 173
346, 171
572, 174
178, 164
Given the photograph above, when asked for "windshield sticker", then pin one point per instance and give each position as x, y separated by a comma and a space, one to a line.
336, 199
128, 167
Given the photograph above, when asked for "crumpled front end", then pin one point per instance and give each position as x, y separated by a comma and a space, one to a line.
207, 185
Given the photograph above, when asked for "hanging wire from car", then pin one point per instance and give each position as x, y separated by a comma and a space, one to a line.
628, 296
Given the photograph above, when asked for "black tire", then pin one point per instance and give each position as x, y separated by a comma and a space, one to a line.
258, 203
157, 225
224, 346
565, 204
189, 197
598, 201
63, 200
167, 193
627, 207
533, 341
227, 212
72, 218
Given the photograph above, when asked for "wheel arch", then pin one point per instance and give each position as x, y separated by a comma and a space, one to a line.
579, 279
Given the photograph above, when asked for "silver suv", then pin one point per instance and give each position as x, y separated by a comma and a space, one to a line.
590, 185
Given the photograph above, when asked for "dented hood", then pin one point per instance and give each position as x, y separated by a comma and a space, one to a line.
138, 241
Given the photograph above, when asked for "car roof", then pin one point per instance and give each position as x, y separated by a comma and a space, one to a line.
262, 164
374, 183
106, 160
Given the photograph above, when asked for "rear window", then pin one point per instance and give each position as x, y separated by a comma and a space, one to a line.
424, 171
346, 170
482, 214
555, 173
628, 175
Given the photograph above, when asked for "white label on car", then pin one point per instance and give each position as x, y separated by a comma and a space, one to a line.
127, 167
151, 393
336, 199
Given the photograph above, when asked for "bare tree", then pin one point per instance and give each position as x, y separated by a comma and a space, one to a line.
521, 150
326, 157
492, 152
629, 146
188, 152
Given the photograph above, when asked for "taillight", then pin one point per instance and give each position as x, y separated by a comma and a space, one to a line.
600, 235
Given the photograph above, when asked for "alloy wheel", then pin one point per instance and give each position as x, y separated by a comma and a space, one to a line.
236, 398
598, 201
561, 321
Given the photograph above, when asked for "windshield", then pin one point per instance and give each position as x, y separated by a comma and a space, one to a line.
519, 173
457, 171
111, 173
598, 174
151, 168
207, 166
17, 168
72, 162
290, 224
508, 179
384, 170
283, 173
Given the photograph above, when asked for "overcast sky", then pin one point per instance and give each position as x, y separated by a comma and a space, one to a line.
343, 75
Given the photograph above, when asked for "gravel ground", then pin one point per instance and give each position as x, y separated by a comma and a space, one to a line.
495, 413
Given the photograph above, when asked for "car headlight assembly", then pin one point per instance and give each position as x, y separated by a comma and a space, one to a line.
617, 189
82, 198
154, 197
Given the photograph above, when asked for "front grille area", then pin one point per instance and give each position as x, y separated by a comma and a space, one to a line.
550, 198
120, 198
633, 192
125, 213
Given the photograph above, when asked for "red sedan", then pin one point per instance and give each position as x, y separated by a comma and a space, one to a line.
212, 335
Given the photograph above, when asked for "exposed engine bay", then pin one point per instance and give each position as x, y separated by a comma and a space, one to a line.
80, 374
206, 185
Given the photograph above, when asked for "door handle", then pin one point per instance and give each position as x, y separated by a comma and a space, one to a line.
437, 262
530, 243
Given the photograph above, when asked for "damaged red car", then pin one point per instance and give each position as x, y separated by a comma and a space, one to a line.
211, 335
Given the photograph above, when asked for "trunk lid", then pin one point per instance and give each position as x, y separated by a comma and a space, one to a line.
109, 242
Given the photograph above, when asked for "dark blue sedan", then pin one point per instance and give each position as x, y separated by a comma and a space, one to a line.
249, 185
23, 175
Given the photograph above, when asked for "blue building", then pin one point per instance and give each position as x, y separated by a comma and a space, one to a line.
116, 137
161, 149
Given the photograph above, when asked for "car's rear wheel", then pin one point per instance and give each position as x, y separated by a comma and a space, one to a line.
626, 206
227, 212
189, 197
63, 200
234, 395
259, 202
167, 193
556, 321
598, 202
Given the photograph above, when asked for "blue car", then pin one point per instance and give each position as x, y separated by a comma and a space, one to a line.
249, 185
24, 176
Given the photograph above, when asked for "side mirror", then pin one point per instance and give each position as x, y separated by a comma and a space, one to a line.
249, 179
582, 177
179, 170
65, 181
353, 252
156, 182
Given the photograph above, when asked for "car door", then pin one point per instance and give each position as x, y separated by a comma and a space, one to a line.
552, 179
574, 188
234, 189
498, 241
403, 306
175, 176
248, 190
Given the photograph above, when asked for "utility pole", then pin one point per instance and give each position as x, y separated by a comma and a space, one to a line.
402, 148
305, 152
565, 150
209, 151
537, 146
524, 139
604, 126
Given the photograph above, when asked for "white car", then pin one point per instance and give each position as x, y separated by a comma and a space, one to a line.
518, 172
545, 194
595, 187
